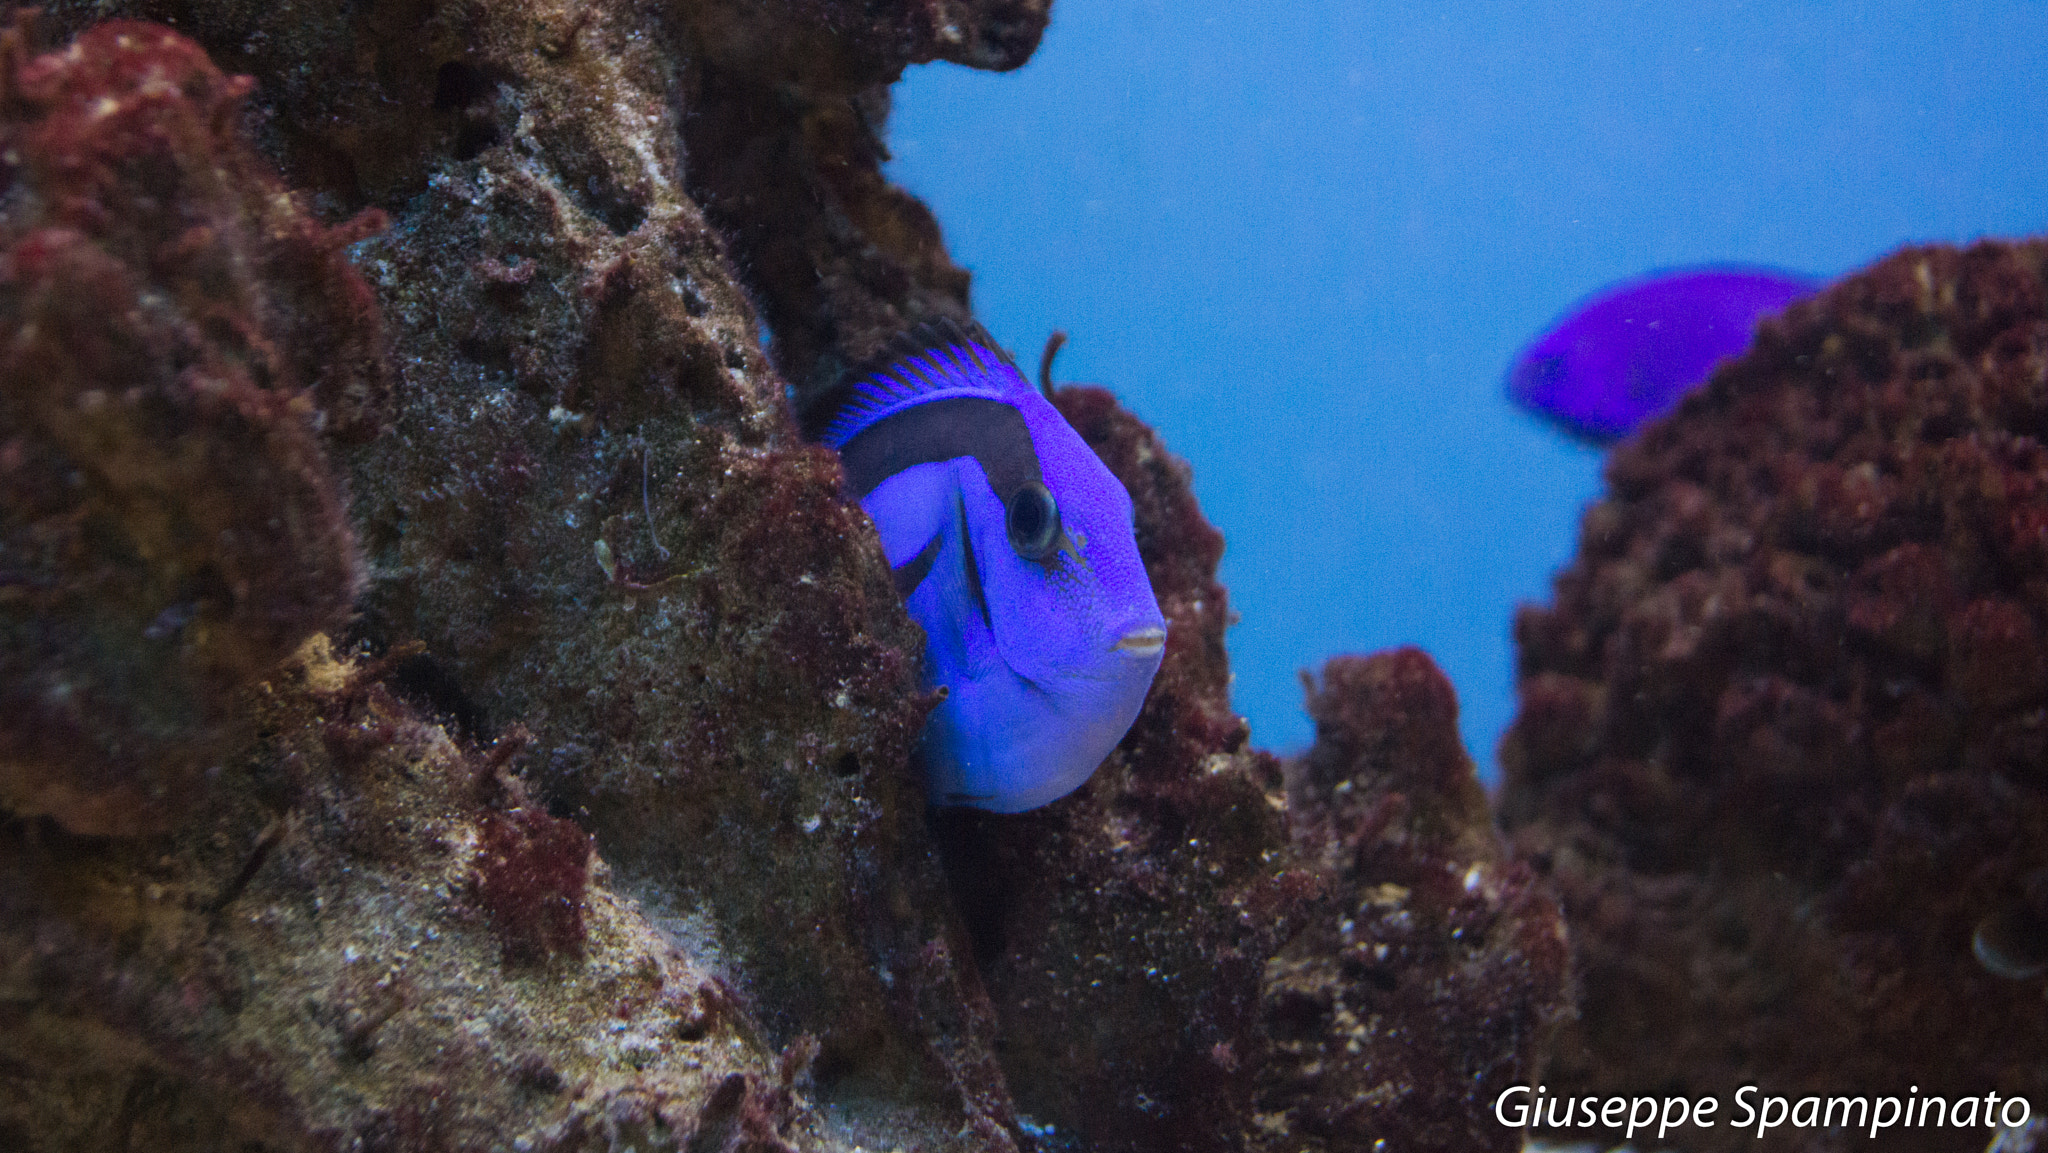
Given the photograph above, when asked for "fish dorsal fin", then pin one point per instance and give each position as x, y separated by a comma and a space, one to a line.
937, 360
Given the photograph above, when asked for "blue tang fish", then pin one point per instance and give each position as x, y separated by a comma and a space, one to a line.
1014, 547
1631, 350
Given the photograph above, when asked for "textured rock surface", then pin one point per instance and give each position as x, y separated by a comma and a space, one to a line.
170, 527
1433, 966
1783, 743
314, 961
594, 826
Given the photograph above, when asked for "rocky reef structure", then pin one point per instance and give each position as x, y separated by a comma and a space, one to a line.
1205, 950
458, 713
1783, 740
1426, 921
180, 331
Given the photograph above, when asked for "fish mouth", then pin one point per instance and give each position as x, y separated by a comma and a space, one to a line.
1145, 642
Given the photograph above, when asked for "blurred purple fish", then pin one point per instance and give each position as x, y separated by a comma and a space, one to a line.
1631, 350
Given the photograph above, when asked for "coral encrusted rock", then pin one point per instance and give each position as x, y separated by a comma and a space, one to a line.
177, 330
1434, 970
580, 812
320, 957
1783, 738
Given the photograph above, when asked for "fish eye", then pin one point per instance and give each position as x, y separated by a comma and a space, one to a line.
1033, 521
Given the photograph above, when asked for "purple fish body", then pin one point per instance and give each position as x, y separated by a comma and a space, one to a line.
1632, 350
1015, 548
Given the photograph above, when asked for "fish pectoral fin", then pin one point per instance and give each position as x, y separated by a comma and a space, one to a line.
912, 572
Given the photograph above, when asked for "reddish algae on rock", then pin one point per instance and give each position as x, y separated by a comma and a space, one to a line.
579, 812
1783, 739
178, 332
1432, 968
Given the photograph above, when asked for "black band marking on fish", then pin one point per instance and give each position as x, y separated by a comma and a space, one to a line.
979, 597
991, 431
911, 573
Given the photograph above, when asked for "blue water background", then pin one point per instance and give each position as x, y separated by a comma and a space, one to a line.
1305, 240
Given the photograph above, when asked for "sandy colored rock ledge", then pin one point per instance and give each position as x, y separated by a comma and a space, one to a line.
319, 959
